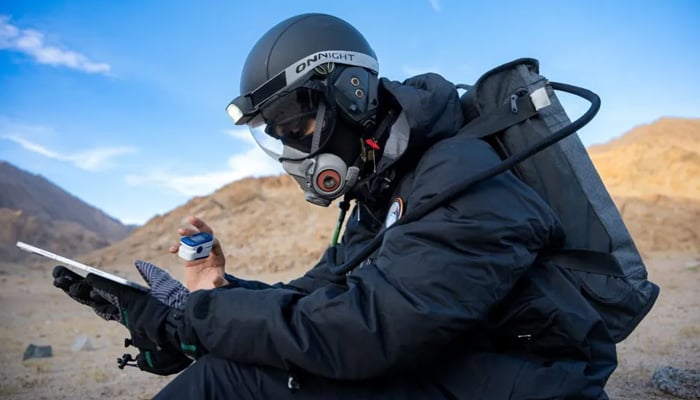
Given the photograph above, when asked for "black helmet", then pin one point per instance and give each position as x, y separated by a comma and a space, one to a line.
304, 47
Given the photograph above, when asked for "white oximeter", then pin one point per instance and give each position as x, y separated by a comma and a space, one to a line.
195, 247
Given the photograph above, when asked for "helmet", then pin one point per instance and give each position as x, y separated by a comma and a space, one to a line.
296, 50
312, 73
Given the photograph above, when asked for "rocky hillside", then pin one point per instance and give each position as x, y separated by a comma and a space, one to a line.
266, 225
36, 211
653, 172
662, 158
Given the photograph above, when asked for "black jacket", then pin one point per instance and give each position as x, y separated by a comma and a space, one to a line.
458, 295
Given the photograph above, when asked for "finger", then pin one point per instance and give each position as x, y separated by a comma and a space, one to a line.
60, 271
200, 224
64, 284
64, 279
183, 232
80, 290
61, 283
187, 231
216, 248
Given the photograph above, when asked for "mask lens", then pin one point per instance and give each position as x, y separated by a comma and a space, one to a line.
272, 146
288, 120
295, 128
292, 115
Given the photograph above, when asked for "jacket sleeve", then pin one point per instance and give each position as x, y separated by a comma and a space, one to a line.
433, 281
318, 276
236, 282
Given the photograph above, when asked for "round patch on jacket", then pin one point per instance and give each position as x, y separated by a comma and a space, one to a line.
395, 212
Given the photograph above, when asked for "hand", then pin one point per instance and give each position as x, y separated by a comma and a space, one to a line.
162, 286
207, 273
152, 318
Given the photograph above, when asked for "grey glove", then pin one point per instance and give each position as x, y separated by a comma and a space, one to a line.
164, 287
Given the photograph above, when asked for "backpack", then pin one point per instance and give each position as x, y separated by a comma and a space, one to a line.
598, 252
516, 111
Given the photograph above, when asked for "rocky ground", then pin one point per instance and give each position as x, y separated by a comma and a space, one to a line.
33, 312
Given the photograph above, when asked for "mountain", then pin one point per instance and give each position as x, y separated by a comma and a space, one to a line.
38, 212
662, 158
264, 224
267, 227
653, 173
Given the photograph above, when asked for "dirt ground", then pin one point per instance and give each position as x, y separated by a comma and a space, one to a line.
32, 311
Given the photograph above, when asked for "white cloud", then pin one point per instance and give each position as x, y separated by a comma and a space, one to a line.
89, 160
31, 42
250, 163
242, 134
435, 4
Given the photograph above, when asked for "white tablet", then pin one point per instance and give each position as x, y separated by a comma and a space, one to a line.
87, 268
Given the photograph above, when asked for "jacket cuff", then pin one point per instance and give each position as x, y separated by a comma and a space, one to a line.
181, 337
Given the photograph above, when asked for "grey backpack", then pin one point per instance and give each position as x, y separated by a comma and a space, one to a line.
516, 110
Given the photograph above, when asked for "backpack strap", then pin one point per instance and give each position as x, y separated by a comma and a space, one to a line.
595, 262
507, 115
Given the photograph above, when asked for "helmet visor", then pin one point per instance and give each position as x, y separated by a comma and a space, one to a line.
289, 120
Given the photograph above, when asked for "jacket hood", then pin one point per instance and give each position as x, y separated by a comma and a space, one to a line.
431, 107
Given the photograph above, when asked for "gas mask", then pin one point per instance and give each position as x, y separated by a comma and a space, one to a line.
323, 177
303, 134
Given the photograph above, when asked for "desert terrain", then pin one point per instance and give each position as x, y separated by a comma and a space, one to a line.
271, 234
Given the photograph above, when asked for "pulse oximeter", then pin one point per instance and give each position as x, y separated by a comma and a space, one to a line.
195, 247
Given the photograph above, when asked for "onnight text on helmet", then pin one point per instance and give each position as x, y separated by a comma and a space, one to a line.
327, 55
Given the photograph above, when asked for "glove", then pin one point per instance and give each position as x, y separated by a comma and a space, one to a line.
76, 288
152, 318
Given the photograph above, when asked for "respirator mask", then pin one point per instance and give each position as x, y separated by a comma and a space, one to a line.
300, 130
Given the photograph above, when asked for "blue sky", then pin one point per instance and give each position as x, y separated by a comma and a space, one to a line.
121, 103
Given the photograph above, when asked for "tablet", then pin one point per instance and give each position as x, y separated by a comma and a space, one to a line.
86, 268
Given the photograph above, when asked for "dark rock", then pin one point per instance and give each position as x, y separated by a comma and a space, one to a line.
34, 351
683, 383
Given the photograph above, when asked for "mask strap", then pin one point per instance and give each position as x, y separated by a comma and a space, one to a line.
316, 144
320, 117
